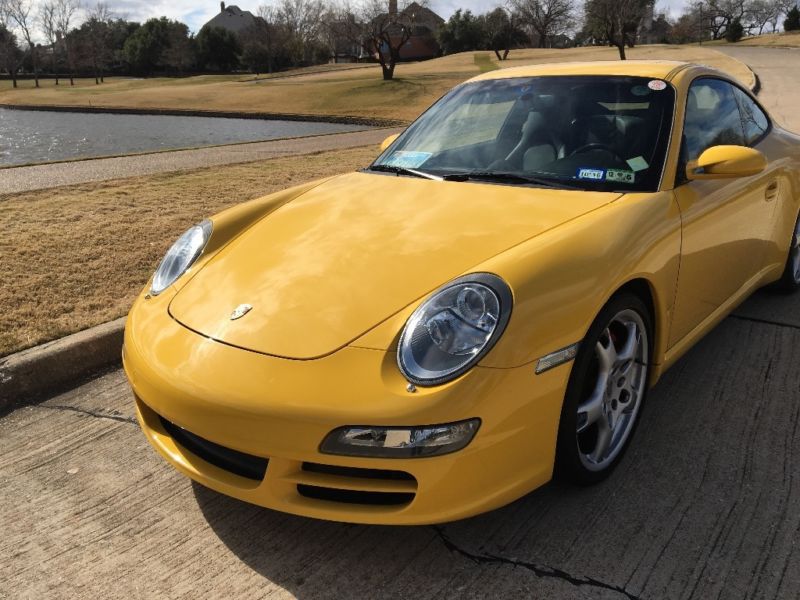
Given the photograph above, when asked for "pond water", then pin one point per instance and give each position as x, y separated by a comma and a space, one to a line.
39, 136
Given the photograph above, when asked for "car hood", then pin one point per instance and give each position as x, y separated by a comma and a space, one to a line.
336, 261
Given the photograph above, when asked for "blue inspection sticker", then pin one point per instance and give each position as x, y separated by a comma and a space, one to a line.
407, 159
591, 174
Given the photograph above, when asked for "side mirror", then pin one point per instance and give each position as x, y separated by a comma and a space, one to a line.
726, 162
389, 141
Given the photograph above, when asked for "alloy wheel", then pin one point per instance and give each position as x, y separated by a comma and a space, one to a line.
607, 414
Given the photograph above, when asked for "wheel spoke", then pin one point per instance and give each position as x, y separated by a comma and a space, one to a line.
592, 409
628, 352
604, 435
607, 355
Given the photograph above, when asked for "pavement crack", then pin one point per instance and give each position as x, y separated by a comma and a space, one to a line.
542, 571
114, 416
764, 321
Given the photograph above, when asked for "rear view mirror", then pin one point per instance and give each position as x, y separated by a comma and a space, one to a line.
725, 162
389, 141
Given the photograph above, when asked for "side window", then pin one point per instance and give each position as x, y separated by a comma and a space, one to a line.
754, 120
712, 117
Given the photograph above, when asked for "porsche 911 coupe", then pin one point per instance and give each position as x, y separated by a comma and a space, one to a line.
484, 306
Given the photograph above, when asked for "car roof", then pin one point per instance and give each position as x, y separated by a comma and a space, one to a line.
657, 69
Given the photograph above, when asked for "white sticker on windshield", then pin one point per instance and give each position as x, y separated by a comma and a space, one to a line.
657, 85
637, 164
593, 174
621, 176
407, 159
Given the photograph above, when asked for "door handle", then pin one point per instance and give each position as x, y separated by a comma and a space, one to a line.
772, 191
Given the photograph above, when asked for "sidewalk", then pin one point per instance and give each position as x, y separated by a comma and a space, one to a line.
37, 177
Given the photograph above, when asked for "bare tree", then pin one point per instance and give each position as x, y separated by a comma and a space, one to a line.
503, 32
303, 22
266, 45
96, 40
763, 12
546, 18
782, 8
65, 17
718, 15
19, 13
380, 33
616, 21
49, 29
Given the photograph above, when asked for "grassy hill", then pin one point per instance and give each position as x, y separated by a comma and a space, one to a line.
333, 89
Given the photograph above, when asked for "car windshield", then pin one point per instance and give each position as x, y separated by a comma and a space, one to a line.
587, 132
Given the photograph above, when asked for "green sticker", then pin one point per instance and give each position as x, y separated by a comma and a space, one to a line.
621, 176
638, 163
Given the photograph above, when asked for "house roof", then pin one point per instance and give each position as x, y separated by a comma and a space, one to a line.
423, 13
233, 19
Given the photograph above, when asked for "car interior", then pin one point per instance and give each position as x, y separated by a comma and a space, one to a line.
562, 130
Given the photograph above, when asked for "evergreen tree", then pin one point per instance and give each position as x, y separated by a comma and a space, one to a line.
792, 22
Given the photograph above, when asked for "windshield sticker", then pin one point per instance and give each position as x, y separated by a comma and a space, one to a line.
637, 164
593, 174
621, 176
657, 85
407, 159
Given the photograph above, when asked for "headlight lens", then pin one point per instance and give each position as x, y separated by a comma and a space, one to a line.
180, 256
454, 328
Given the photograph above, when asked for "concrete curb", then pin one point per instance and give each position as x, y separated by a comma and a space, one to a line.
32, 375
191, 112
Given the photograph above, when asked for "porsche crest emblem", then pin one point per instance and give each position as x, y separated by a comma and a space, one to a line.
240, 311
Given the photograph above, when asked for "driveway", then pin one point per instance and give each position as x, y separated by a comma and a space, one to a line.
706, 504
779, 72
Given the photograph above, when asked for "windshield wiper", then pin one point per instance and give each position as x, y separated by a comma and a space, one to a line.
505, 177
405, 171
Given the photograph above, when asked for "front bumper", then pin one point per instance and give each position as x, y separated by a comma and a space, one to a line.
281, 410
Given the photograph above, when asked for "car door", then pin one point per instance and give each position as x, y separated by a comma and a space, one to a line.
726, 222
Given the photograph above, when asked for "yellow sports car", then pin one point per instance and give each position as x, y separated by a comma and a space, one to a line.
486, 304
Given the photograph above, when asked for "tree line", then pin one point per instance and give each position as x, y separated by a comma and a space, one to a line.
66, 39
618, 23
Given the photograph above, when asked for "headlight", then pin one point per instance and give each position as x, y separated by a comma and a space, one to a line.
180, 257
400, 442
454, 328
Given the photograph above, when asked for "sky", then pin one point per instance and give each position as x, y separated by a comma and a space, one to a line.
196, 14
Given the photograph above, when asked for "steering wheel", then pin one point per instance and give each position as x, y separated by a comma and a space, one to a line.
597, 146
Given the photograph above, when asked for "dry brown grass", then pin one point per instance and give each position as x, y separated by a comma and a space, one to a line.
785, 39
336, 91
74, 257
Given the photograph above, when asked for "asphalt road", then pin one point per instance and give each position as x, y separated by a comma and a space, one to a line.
705, 505
37, 177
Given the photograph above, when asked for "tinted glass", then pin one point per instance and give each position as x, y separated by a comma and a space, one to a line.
712, 117
590, 132
754, 120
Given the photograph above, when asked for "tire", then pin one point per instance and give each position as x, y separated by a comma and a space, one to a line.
606, 391
790, 280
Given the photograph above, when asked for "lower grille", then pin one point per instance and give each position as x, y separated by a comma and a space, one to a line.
233, 461
352, 485
354, 496
357, 472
